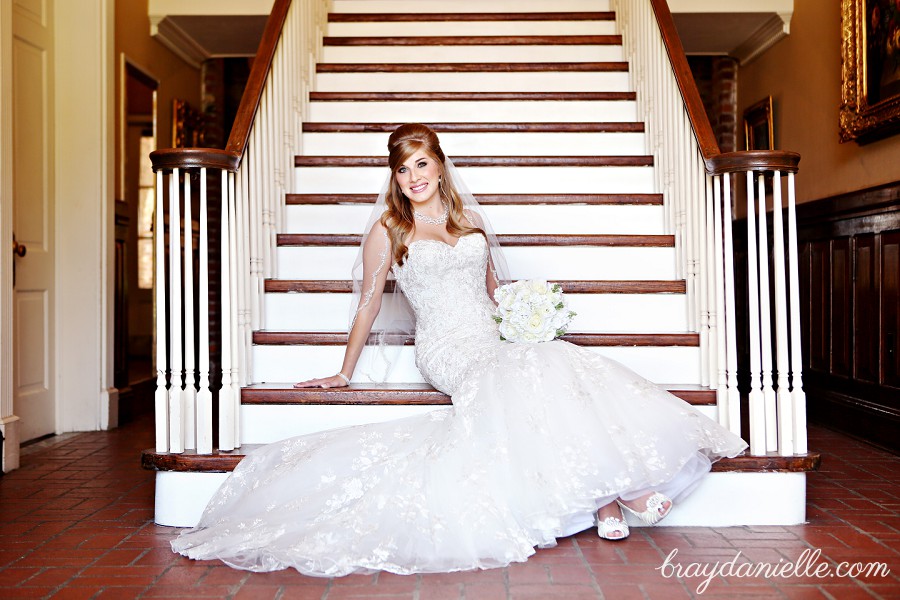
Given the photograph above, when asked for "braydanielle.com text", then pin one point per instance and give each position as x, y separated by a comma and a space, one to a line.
808, 565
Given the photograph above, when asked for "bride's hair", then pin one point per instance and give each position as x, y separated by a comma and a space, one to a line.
398, 218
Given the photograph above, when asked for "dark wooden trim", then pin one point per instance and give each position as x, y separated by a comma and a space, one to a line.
223, 462
591, 67
194, 158
513, 239
485, 161
611, 127
477, 40
332, 286
470, 96
754, 160
262, 63
338, 338
397, 394
494, 199
525, 16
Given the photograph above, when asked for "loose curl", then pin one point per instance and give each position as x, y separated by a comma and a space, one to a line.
398, 218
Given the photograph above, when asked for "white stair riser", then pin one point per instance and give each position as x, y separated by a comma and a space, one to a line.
721, 500
472, 54
466, 6
528, 81
440, 111
265, 424
672, 364
485, 144
547, 218
488, 180
469, 28
525, 262
631, 313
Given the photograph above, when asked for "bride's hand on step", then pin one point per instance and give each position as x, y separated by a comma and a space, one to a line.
339, 380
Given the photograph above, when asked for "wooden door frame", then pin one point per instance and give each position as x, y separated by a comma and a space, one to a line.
8, 421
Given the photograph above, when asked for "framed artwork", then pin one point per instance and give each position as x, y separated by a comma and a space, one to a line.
759, 133
870, 73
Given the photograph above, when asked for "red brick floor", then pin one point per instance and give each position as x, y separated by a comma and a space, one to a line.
77, 523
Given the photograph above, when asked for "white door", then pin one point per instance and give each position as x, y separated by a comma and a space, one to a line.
33, 188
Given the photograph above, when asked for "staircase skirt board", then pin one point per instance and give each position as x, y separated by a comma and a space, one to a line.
556, 219
271, 363
623, 313
489, 180
722, 499
545, 262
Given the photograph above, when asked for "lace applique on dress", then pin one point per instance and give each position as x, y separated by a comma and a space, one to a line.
367, 298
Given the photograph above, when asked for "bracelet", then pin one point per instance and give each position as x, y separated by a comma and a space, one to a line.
344, 377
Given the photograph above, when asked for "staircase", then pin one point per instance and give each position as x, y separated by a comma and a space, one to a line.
538, 111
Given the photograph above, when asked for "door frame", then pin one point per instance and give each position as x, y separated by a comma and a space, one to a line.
9, 423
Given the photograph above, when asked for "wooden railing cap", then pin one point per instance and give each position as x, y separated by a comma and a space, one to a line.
753, 160
194, 158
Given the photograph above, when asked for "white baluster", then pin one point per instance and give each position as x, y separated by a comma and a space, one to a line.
711, 282
797, 393
785, 410
189, 397
756, 400
765, 316
226, 404
176, 388
734, 398
204, 395
256, 228
238, 346
244, 333
719, 262
160, 399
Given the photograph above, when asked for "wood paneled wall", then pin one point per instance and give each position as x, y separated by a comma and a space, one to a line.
850, 269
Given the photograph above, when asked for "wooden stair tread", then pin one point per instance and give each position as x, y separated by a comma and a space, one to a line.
512, 239
470, 96
475, 40
338, 286
402, 394
493, 199
586, 67
339, 338
223, 462
522, 16
485, 161
611, 127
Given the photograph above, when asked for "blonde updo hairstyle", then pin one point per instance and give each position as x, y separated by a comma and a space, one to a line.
398, 218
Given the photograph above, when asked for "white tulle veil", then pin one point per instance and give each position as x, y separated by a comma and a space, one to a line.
395, 324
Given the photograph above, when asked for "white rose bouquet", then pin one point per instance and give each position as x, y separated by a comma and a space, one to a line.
531, 311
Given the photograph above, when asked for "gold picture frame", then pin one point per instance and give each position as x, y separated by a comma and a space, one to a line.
759, 130
870, 71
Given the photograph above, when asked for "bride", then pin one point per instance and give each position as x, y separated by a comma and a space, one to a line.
541, 440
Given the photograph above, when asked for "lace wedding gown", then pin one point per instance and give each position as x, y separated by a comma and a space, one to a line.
538, 437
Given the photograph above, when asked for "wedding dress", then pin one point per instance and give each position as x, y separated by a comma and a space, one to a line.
538, 437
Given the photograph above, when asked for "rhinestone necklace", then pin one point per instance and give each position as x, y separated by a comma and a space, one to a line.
434, 220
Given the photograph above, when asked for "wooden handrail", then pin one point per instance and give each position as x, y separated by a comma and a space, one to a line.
716, 162
262, 63
230, 158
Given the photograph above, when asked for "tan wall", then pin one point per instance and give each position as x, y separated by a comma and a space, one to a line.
803, 74
176, 78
